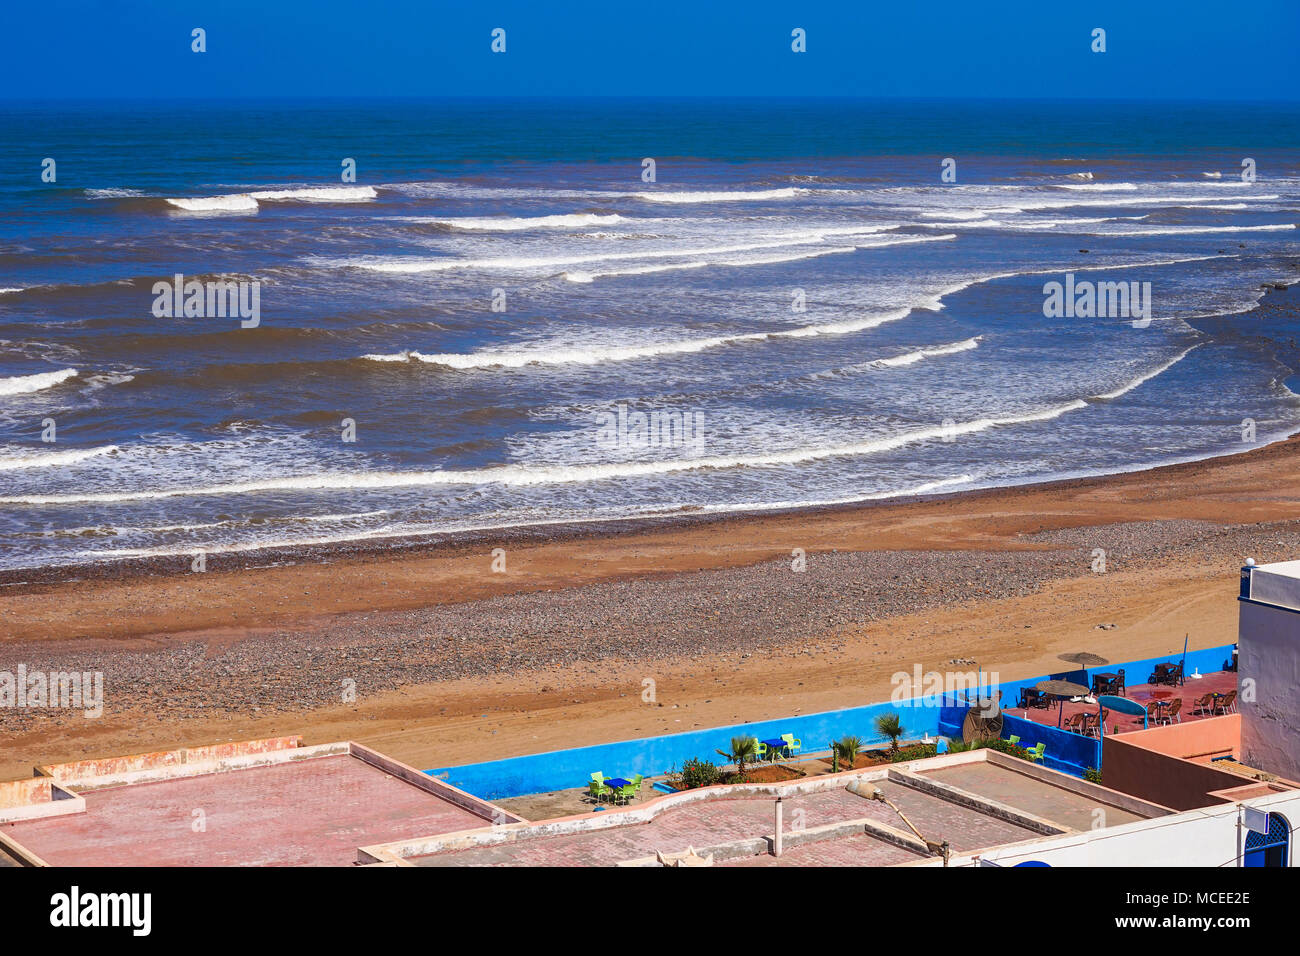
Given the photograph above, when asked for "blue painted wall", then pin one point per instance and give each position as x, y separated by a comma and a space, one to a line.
563, 769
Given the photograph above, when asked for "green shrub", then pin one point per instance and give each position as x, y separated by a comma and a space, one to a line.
1092, 775
1002, 746
914, 752
696, 772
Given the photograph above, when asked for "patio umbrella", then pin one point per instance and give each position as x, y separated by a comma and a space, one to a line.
1123, 705
1084, 659
1060, 688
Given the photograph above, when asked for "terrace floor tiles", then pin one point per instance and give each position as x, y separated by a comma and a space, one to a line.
710, 822
857, 850
313, 812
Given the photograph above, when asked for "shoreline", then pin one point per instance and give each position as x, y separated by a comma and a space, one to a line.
563, 531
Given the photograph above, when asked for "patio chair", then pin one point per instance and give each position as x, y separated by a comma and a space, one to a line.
1035, 753
1090, 724
1173, 712
1120, 686
1176, 675
1203, 704
793, 744
597, 789
1226, 704
1074, 723
1031, 698
1014, 740
760, 750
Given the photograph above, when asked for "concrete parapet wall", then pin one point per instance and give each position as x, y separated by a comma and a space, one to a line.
184, 762
439, 788
490, 836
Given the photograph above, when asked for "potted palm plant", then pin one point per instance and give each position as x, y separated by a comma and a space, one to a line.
743, 750
889, 725
846, 749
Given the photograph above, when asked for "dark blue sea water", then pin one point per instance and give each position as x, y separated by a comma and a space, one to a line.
500, 301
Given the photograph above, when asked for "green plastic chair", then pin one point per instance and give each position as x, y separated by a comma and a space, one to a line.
1013, 739
597, 788
793, 744
760, 750
628, 794
1035, 753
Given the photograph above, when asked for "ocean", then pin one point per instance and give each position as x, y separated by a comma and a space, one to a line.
505, 320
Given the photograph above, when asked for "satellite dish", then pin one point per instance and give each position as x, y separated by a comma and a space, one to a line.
983, 721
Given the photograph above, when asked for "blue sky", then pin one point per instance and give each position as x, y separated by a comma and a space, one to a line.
330, 48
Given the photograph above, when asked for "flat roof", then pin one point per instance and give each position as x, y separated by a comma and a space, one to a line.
307, 812
1277, 584
725, 819
972, 801
1032, 795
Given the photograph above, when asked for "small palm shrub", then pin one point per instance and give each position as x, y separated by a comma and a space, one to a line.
889, 725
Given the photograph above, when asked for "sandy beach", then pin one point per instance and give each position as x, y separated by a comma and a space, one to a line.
454, 662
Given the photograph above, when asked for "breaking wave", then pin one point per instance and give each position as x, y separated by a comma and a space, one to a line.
22, 384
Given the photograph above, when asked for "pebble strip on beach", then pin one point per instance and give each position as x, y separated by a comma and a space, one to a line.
764, 608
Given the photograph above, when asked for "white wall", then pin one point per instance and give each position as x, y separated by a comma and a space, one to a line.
1209, 837
1268, 696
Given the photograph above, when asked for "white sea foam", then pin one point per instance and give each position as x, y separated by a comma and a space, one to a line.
113, 193
955, 214
1102, 187
911, 358
1197, 230
623, 353
924, 488
594, 355
21, 384
250, 202
407, 530
52, 459
738, 195
235, 203
317, 194
11, 288
577, 220
529, 475
708, 263
1146, 377
517, 263
1166, 200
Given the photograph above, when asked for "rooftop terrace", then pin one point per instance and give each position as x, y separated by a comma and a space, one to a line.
291, 807
969, 800
1221, 682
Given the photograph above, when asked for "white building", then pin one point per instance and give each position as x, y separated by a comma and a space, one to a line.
1269, 667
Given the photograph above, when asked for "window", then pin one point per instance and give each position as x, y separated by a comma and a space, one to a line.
1269, 849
